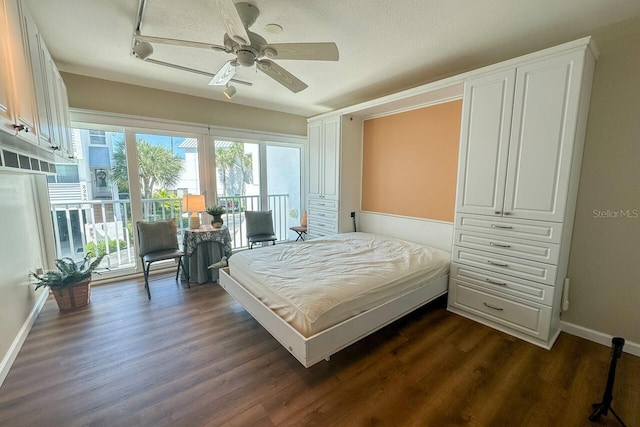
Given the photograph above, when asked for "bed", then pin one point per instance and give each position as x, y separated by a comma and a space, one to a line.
319, 296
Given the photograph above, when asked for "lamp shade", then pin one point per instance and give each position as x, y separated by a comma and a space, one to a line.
193, 203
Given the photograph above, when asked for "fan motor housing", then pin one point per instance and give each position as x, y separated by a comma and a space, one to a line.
246, 57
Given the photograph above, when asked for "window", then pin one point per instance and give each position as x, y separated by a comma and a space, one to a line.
132, 169
97, 137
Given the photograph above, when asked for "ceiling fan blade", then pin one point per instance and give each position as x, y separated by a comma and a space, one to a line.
225, 74
176, 42
307, 51
232, 22
281, 75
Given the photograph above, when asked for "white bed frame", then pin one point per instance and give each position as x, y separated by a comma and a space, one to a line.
322, 345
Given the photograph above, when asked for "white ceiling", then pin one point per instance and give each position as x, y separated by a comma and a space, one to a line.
385, 45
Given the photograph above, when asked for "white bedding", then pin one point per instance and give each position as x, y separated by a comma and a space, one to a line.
316, 284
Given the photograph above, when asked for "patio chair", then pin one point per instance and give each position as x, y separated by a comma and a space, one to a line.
158, 241
302, 228
259, 227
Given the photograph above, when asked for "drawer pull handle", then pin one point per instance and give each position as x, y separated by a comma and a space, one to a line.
497, 264
504, 227
496, 283
492, 307
498, 213
499, 245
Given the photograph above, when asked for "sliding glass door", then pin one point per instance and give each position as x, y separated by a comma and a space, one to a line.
121, 176
283, 188
258, 176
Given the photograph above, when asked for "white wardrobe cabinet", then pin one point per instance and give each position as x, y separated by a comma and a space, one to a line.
517, 139
334, 174
521, 143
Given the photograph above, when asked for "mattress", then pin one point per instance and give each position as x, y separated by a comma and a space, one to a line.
319, 283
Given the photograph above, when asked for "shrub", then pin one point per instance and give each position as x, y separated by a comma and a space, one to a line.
102, 247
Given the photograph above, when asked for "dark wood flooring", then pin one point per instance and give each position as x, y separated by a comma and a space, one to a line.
194, 357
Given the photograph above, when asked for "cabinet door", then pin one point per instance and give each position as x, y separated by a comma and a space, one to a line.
331, 159
484, 143
34, 48
315, 159
5, 74
23, 103
542, 138
51, 83
63, 112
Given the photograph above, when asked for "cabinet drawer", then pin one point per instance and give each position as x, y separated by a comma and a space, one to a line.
518, 228
530, 318
319, 226
507, 245
500, 283
322, 204
524, 269
323, 215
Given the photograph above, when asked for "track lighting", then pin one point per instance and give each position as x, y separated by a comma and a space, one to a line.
143, 50
230, 91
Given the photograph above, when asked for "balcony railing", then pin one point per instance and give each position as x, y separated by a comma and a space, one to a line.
106, 226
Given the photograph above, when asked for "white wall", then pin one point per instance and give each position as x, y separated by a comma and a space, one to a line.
604, 294
20, 253
104, 95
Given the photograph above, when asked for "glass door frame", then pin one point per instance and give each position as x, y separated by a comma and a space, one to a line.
262, 140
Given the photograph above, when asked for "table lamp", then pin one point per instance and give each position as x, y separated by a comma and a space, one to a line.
193, 203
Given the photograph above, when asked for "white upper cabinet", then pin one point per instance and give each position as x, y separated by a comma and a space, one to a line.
17, 75
315, 158
64, 120
542, 138
33, 98
331, 159
486, 126
324, 158
38, 73
6, 118
517, 139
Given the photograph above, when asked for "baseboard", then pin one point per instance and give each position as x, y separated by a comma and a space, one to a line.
16, 345
599, 337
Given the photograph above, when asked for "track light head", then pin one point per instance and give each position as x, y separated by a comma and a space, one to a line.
230, 91
143, 50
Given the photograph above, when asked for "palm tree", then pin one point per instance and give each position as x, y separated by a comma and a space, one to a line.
156, 166
234, 167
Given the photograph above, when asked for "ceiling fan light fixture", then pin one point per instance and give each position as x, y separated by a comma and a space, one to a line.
229, 92
143, 50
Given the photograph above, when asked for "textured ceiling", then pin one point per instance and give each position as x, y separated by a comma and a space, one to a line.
385, 45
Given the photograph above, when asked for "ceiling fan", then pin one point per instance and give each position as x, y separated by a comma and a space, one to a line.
248, 48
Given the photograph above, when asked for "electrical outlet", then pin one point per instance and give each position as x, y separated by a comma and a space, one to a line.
39, 271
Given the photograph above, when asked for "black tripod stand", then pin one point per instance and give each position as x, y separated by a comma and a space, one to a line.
604, 407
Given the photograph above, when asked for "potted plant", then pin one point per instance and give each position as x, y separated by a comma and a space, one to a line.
216, 212
71, 283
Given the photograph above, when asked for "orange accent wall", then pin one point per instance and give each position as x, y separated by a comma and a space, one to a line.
410, 162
